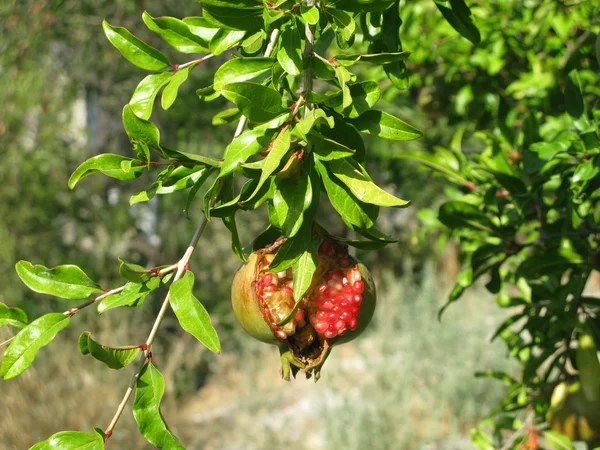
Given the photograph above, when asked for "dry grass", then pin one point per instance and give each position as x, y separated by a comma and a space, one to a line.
407, 384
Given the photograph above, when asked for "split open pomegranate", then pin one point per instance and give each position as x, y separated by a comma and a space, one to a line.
336, 308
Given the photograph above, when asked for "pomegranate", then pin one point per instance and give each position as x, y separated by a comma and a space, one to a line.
572, 414
336, 308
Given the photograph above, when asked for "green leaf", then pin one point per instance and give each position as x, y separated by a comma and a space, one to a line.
362, 187
279, 148
21, 352
15, 317
292, 196
113, 357
557, 441
573, 95
134, 50
236, 245
364, 5
149, 390
170, 93
108, 164
551, 262
304, 268
352, 211
142, 100
457, 214
133, 294
364, 96
72, 440
226, 116
459, 16
192, 316
310, 14
310, 119
201, 28
175, 33
386, 126
347, 135
140, 130
289, 54
342, 23
232, 17
372, 58
249, 143
257, 102
327, 149
481, 440
291, 249
224, 40
66, 281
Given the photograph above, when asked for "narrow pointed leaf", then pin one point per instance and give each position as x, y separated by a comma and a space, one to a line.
176, 33
149, 390
257, 102
142, 100
15, 317
243, 69
386, 126
108, 164
290, 53
134, 50
66, 281
363, 188
113, 357
170, 92
192, 316
459, 16
22, 351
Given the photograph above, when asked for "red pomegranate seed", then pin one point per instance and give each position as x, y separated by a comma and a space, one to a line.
352, 323
359, 287
321, 327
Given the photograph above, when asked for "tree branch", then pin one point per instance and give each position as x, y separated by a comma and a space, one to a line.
181, 268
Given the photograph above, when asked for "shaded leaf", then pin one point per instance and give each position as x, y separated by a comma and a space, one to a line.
113, 357
459, 16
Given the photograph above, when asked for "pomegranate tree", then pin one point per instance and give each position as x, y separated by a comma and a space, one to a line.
336, 308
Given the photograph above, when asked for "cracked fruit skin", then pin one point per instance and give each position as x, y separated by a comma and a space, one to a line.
572, 414
336, 309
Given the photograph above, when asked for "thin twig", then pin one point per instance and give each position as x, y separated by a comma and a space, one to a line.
528, 421
195, 62
181, 268
309, 31
72, 311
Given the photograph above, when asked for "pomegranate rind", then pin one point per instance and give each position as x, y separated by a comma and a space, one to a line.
252, 318
245, 302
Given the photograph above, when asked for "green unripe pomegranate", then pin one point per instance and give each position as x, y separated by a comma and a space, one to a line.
572, 414
336, 309
588, 366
